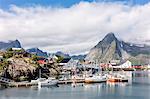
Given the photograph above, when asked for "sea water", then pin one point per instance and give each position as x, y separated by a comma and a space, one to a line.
137, 88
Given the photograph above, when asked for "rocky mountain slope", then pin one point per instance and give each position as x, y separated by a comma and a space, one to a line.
10, 44
37, 52
110, 48
59, 53
78, 57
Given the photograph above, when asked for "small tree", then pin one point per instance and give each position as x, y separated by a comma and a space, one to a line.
9, 49
34, 57
60, 58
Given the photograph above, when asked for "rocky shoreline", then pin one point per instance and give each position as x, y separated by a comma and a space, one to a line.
25, 67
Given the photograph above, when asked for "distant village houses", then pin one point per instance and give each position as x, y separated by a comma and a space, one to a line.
123, 64
117, 64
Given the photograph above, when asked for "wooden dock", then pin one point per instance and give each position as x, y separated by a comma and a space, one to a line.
71, 81
23, 84
29, 84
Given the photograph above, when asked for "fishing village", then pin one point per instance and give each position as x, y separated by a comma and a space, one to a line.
75, 49
20, 68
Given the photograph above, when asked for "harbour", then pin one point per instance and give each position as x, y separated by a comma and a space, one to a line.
74, 49
89, 78
138, 87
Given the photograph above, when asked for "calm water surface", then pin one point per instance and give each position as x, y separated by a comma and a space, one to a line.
137, 88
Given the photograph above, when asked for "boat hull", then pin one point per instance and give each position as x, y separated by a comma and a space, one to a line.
117, 80
95, 81
48, 83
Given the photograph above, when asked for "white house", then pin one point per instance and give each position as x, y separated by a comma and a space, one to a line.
148, 66
124, 64
16, 49
127, 64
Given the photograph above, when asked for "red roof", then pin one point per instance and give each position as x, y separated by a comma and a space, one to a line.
137, 66
105, 65
41, 62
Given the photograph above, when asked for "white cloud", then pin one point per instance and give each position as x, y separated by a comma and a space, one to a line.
75, 29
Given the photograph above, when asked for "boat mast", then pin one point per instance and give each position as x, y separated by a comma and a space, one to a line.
40, 73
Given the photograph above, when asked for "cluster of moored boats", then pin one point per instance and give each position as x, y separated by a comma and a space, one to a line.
95, 78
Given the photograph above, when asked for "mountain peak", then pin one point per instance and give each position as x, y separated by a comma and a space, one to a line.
59, 53
17, 42
10, 44
109, 37
37, 51
110, 48
111, 34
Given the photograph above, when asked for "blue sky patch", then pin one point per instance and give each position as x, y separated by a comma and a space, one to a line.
5, 4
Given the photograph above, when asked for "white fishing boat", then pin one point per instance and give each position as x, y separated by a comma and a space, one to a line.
77, 77
63, 79
37, 80
48, 82
95, 79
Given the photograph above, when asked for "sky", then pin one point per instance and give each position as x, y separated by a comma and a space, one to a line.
73, 26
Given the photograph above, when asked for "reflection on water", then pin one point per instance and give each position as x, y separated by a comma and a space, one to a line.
141, 77
137, 87
141, 74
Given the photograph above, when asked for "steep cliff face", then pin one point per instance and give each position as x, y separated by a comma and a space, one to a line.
110, 48
10, 44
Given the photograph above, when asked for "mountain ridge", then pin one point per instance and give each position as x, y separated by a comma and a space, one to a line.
37, 52
110, 48
10, 44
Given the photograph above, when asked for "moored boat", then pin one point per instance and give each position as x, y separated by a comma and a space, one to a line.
48, 82
117, 78
37, 80
77, 77
95, 79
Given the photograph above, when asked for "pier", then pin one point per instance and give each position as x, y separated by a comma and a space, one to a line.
71, 81
96, 79
29, 84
